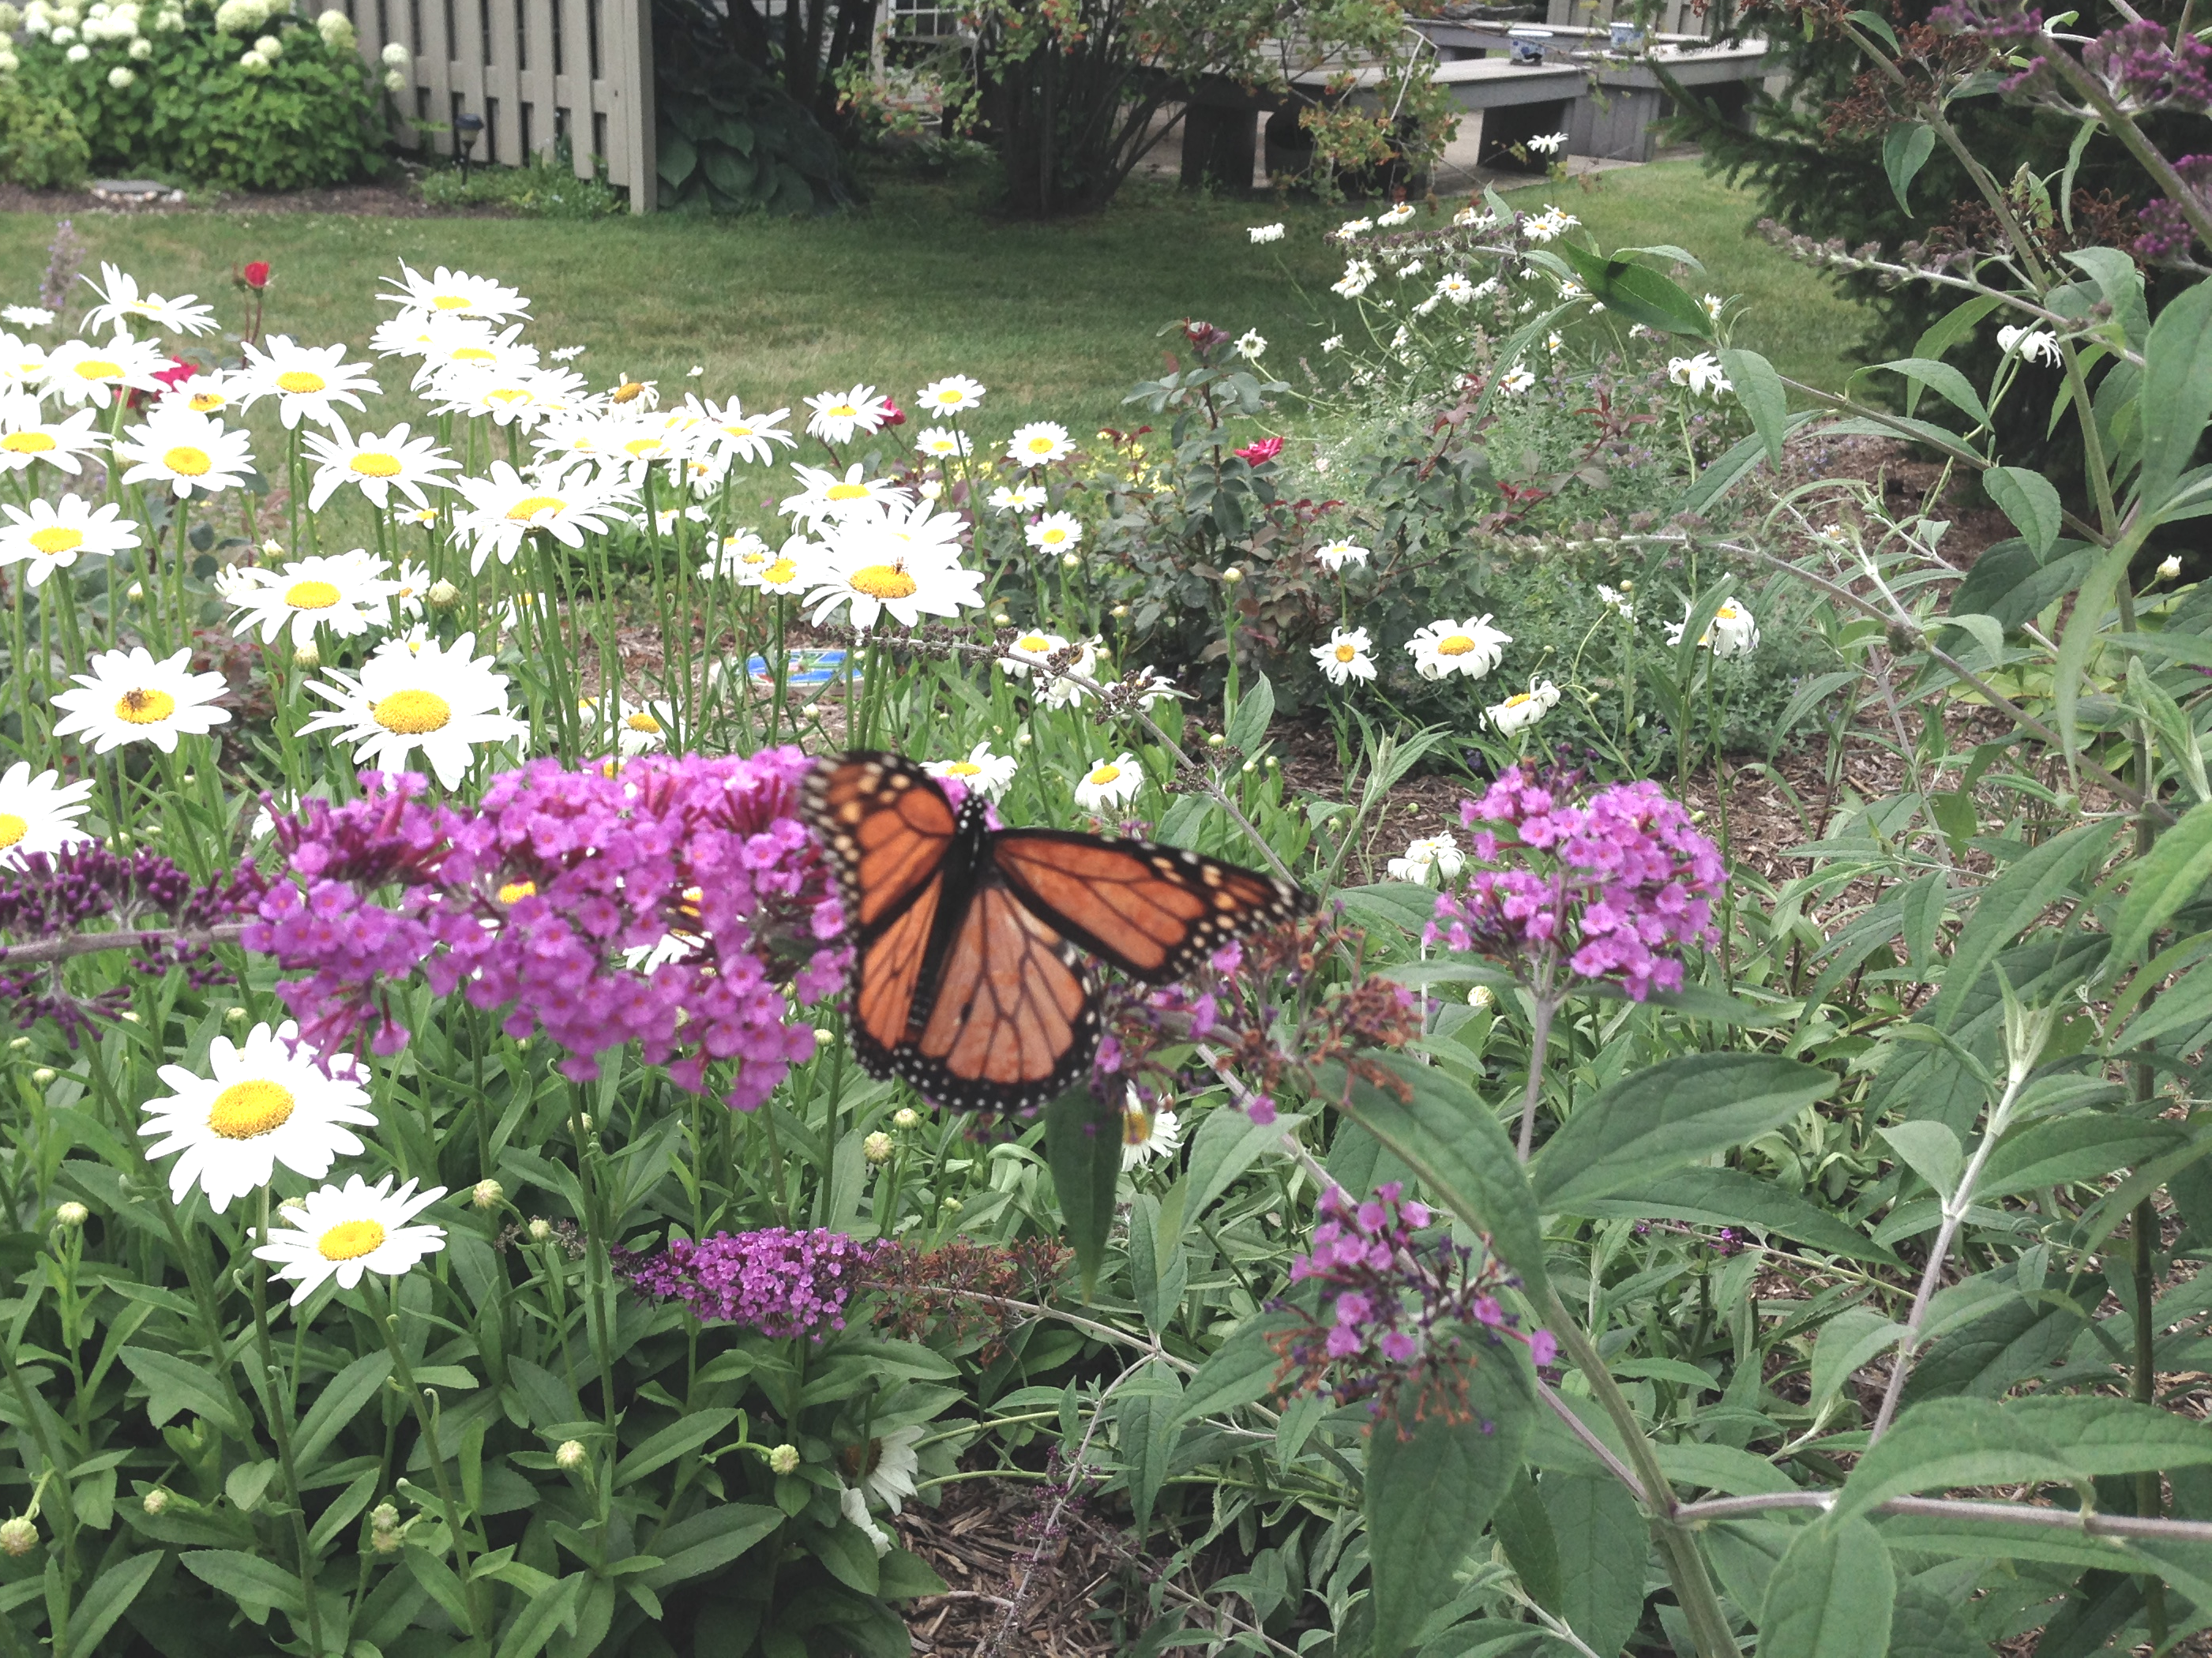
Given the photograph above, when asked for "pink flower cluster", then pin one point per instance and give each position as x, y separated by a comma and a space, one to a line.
1396, 1309
779, 1282
666, 901
1615, 887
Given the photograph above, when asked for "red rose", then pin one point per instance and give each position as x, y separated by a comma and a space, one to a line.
176, 373
1264, 449
256, 275
893, 415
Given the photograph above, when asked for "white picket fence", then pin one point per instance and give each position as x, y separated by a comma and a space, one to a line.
533, 70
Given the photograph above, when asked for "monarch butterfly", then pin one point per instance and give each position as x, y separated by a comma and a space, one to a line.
968, 977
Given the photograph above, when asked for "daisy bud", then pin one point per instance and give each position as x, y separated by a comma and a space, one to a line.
1071, 562
236, 1016
306, 657
119, 843
1250, 765
822, 1038
1272, 762
1481, 996
540, 1229
570, 1456
488, 1194
1002, 620
1120, 612
155, 1501
784, 1459
583, 1122
71, 1216
442, 596
2170, 569
128, 1016
877, 1147
1232, 575
952, 1206
136, 590
385, 1516
1216, 740
386, 1542
16, 1045
906, 1117
43, 1075
18, 1536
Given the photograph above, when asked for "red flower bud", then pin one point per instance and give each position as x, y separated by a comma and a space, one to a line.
256, 275
893, 415
176, 373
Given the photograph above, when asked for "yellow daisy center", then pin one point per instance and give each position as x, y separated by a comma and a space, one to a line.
1136, 1128
511, 394
206, 402
375, 465
99, 368
846, 492
475, 354
1054, 536
884, 581
27, 443
350, 1240
145, 707
1454, 644
1517, 699
515, 891
531, 506
450, 301
948, 399
646, 446
962, 768
191, 462
1034, 642
12, 829
310, 595
412, 713
1105, 774
643, 722
628, 391
1040, 445
247, 1110
739, 431
1726, 613
780, 573
301, 379
842, 411
57, 539
1345, 653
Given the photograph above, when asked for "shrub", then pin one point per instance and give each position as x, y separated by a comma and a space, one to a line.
545, 187
40, 147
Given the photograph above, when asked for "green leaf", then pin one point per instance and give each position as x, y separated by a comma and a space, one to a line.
2060, 1151
1846, 1343
2102, 1436
1949, 1442
1947, 382
1954, 325
902, 1575
850, 1557
2161, 881
1604, 1545
107, 1600
2119, 277
1432, 1485
708, 1541
1255, 712
1446, 1134
2176, 398
1831, 1596
551, 1401
1758, 389
341, 1399
1082, 1143
246, 1578
1224, 1146
540, 1617
2009, 904
686, 1433
676, 160
1148, 1420
1673, 1113
2031, 501
1930, 1150
175, 1385
1729, 1197
1904, 151
1524, 1530
1925, 1624
1241, 1372
1637, 292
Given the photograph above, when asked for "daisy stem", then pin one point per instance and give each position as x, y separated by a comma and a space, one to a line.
779, 666
426, 1418
277, 1404
16, 666
65, 1523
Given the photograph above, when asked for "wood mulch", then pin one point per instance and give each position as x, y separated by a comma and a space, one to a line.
1010, 1594
377, 199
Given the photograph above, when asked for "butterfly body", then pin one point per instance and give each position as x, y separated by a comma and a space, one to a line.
968, 975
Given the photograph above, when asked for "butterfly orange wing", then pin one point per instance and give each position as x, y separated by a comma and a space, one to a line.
1153, 911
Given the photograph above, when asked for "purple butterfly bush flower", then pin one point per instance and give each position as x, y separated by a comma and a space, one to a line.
665, 900
1401, 1309
779, 1282
1613, 891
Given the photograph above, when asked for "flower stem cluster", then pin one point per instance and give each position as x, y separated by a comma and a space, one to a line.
777, 1281
676, 902
1613, 891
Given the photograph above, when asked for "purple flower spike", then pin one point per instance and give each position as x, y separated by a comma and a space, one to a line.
779, 1282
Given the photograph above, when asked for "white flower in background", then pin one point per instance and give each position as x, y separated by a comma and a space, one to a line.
956, 394
505, 508
346, 1232
1733, 632
2030, 344
666, 518
741, 556
898, 530
840, 417
1069, 685
1265, 233
412, 582
791, 572
452, 294
1251, 345
731, 435
27, 437
187, 452
2169, 567
989, 775
1017, 498
852, 1503
1109, 783
309, 381
1358, 276
1701, 374
568, 353
265, 1102
40, 814
1396, 215
1548, 225
1039, 444
1147, 1135
208, 392
830, 496
79, 372
52, 536
1515, 380
1427, 855
120, 301
634, 444
129, 697
1352, 227
376, 465
441, 699
1549, 144
1555, 342
1335, 555
1056, 532
1471, 217
1414, 269
1454, 286
455, 346
27, 316
636, 728
1524, 708
942, 443
395, 55
856, 572
122, 78
1615, 600
1471, 648
520, 397
1030, 649
1714, 305
1334, 342
1345, 658
348, 593
1485, 289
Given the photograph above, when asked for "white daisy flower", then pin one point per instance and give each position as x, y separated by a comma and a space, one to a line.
506, 506
989, 775
345, 1232
309, 381
1109, 783
441, 699
1352, 227
791, 571
906, 587
376, 465
520, 397
1345, 657
1549, 225
1614, 599
1515, 380
1733, 632
827, 496
1524, 708
635, 727
27, 437
892, 1466
942, 443
1333, 343
740, 557
1040, 443
187, 452
52, 536
452, 347
1030, 648
1548, 144
1056, 532
1455, 287
129, 697
1427, 855
1147, 1135
1017, 498
22, 365
731, 435
1251, 345
348, 593
208, 392
119, 299
1471, 648
1266, 233
840, 417
956, 394
79, 372
265, 1102
852, 1503
1335, 555
27, 316
2031, 344
1396, 215
1701, 374
1714, 305
1471, 218
453, 294
40, 814
1358, 276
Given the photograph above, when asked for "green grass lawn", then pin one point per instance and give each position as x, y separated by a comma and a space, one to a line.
1057, 319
